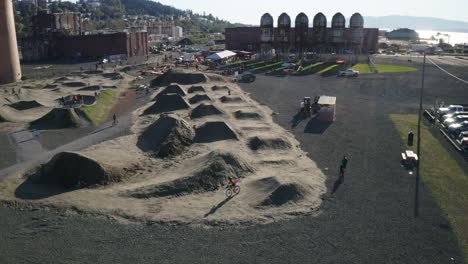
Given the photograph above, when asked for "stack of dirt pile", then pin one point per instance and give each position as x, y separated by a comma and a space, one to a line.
205, 110
58, 118
218, 168
229, 99
167, 103
214, 131
286, 193
70, 169
168, 136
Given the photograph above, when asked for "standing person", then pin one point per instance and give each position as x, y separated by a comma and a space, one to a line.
344, 162
115, 121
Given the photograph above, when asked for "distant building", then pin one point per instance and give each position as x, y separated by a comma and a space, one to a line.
63, 23
285, 39
159, 30
402, 34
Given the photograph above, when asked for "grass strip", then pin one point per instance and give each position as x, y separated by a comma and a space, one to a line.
99, 111
386, 68
444, 178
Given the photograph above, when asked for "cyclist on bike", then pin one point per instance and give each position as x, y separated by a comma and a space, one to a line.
231, 182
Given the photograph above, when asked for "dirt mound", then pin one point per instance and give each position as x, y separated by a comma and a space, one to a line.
220, 88
74, 84
50, 86
228, 99
172, 89
58, 118
25, 105
284, 194
91, 88
214, 131
62, 79
247, 115
217, 169
70, 169
94, 72
168, 136
195, 89
256, 143
167, 103
178, 77
113, 76
198, 98
205, 110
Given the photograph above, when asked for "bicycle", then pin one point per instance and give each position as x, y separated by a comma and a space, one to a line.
232, 190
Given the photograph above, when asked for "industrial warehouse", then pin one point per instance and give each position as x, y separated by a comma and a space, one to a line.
285, 40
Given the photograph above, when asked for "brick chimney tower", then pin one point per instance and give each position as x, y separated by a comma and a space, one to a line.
10, 70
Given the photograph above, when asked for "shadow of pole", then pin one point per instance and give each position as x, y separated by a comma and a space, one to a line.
215, 208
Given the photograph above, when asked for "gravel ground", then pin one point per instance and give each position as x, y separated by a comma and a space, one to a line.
368, 220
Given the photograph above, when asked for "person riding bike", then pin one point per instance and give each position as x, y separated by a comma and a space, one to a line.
231, 182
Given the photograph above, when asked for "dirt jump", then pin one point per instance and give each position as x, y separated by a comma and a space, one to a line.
167, 103
172, 89
168, 136
247, 115
74, 84
214, 131
196, 89
199, 98
91, 88
58, 118
230, 99
204, 110
25, 105
259, 143
218, 168
220, 88
69, 169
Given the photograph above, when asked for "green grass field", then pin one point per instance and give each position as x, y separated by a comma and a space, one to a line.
329, 68
445, 179
266, 67
363, 68
305, 69
382, 68
99, 111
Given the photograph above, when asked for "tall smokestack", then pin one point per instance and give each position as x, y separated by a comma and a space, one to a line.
10, 70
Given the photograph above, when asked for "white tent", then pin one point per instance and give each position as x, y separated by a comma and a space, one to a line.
221, 55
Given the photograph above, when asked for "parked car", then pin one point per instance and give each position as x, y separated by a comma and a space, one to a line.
454, 114
247, 78
450, 109
454, 120
464, 144
462, 135
456, 129
348, 73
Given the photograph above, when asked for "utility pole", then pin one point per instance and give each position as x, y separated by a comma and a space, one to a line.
418, 165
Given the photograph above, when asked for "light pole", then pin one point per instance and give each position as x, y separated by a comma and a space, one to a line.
418, 165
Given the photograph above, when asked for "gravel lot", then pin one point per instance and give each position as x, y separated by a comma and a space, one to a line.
368, 220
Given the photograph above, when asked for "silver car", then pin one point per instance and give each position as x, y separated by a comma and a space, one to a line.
453, 120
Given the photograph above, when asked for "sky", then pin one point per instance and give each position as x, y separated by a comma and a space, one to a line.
250, 11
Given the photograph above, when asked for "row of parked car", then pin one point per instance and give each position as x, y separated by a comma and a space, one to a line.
454, 118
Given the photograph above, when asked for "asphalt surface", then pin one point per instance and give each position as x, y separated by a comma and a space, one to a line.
369, 218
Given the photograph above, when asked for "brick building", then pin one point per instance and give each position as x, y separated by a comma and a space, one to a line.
131, 44
285, 39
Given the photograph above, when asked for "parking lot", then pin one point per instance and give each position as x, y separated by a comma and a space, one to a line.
377, 191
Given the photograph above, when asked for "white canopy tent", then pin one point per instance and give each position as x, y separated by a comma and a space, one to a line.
221, 55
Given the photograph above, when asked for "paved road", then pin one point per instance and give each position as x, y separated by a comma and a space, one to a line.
368, 220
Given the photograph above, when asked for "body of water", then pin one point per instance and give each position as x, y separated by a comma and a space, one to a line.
448, 37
